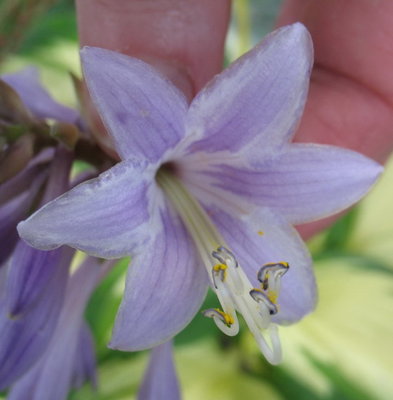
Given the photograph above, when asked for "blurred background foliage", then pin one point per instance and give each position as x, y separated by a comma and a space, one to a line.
343, 351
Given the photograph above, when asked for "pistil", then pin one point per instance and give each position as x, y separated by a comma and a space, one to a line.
230, 283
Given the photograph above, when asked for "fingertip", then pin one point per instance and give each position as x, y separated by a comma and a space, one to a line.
182, 38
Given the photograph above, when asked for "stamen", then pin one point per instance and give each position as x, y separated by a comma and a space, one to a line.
229, 281
227, 322
261, 297
273, 352
270, 274
225, 256
272, 296
220, 271
227, 319
225, 298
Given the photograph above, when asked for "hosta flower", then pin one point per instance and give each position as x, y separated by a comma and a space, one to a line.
36, 99
68, 360
16, 198
24, 337
206, 193
35, 284
33, 281
160, 379
31, 103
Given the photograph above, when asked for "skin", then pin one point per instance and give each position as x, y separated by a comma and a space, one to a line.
350, 103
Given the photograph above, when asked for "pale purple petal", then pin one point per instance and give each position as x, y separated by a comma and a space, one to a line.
13, 211
264, 237
165, 287
51, 377
24, 338
27, 84
30, 271
10, 214
16, 197
303, 183
85, 361
256, 103
24, 385
3, 276
25, 178
160, 381
107, 217
142, 110
59, 174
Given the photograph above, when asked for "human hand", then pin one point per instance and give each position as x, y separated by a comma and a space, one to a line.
182, 38
350, 102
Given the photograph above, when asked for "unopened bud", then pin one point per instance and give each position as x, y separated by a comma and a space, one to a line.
67, 134
12, 108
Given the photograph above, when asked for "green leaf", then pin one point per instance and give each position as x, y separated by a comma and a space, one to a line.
59, 23
338, 235
342, 388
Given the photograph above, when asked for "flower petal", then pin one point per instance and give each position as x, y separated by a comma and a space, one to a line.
107, 217
51, 377
23, 339
25, 179
30, 271
11, 212
256, 103
3, 277
59, 174
160, 380
142, 110
262, 238
27, 84
303, 183
165, 287
85, 361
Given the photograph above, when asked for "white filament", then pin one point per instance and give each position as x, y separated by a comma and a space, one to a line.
230, 284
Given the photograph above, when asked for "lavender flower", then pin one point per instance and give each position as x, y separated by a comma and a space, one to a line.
34, 290
16, 197
38, 101
31, 104
24, 337
68, 360
160, 380
206, 193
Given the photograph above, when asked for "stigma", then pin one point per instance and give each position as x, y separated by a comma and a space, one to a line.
257, 305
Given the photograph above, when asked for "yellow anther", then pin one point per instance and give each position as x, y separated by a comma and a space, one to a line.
261, 233
224, 317
219, 267
284, 264
265, 281
272, 296
260, 296
221, 271
280, 263
227, 318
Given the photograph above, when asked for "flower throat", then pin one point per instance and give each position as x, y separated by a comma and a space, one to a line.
227, 278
